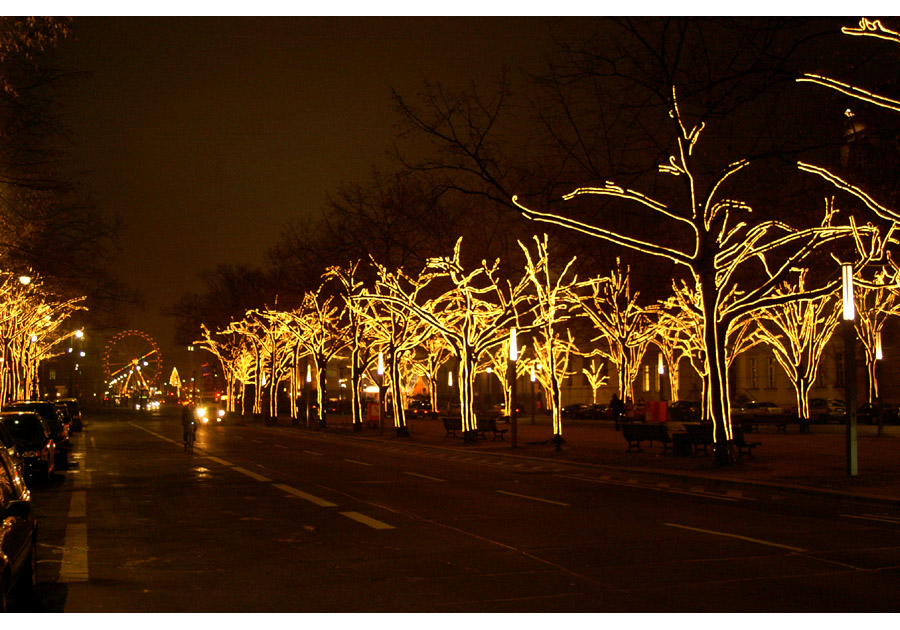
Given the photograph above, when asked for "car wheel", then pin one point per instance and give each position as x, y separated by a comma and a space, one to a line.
26, 586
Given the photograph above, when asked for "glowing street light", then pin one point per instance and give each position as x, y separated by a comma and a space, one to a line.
511, 375
850, 367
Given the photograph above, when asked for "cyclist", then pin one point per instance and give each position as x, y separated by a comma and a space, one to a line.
187, 422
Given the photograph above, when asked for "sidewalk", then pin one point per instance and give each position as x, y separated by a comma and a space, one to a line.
813, 462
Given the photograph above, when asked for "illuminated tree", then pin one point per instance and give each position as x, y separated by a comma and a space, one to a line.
394, 332
437, 353
623, 326
725, 243
472, 314
798, 331
596, 377
554, 299
497, 361
876, 301
317, 327
360, 343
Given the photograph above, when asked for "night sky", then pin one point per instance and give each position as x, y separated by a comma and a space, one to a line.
205, 135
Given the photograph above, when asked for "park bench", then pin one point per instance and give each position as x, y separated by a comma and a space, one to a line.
637, 432
701, 436
742, 444
452, 425
485, 425
779, 420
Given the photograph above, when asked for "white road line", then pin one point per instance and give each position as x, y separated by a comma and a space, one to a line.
282, 446
311, 453
525, 496
251, 474
727, 535
423, 476
872, 517
78, 504
219, 461
304, 495
365, 520
353, 461
74, 563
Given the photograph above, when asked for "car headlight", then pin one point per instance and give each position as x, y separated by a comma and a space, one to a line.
221, 413
201, 412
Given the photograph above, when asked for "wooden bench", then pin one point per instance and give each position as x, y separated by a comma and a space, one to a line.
637, 432
701, 436
485, 425
452, 425
742, 444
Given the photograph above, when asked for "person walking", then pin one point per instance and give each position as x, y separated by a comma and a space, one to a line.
618, 408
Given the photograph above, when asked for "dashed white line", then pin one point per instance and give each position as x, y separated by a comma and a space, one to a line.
728, 535
366, 520
424, 476
525, 496
303, 495
251, 474
353, 461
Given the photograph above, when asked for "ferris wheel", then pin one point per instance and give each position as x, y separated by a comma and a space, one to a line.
132, 362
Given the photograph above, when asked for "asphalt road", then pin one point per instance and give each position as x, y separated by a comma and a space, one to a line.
278, 519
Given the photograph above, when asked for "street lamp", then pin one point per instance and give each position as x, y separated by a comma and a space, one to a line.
381, 390
879, 411
306, 388
511, 376
533, 380
850, 367
660, 370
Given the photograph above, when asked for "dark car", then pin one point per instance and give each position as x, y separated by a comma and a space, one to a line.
33, 442
59, 431
419, 408
210, 414
868, 414
573, 411
8, 442
74, 408
684, 411
18, 538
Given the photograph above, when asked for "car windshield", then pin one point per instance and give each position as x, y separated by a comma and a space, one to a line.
23, 427
47, 412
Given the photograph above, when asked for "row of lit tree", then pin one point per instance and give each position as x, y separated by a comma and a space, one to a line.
32, 329
405, 326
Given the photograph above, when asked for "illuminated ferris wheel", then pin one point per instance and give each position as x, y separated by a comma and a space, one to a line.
132, 362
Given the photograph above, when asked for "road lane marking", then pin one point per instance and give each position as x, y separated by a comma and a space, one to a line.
74, 563
424, 476
219, 461
282, 446
365, 520
304, 495
311, 453
873, 517
251, 474
78, 504
525, 496
727, 535
353, 461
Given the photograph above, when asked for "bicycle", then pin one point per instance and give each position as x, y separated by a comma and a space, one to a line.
189, 439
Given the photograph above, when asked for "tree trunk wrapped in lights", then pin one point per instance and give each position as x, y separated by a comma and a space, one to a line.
798, 332
621, 323
721, 246
554, 300
473, 314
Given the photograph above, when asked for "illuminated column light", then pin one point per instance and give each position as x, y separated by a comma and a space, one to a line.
847, 292
879, 355
513, 347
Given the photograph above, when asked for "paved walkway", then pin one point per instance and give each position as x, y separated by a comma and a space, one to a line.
813, 462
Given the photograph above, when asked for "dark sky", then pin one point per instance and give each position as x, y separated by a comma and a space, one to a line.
205, 135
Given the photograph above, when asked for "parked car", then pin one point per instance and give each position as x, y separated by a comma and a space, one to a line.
8, 442
75, 411
59, 431
18, 537
684, 411
757, 408
867, 413
573, 411
823, 410
33, 442
592, 412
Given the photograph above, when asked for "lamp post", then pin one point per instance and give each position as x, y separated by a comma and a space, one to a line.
381, 391
533, 380
660, 370
511, 377
879, 411
306, 390
850, 368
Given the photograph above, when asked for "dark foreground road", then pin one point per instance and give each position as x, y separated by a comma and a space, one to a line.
283, 520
